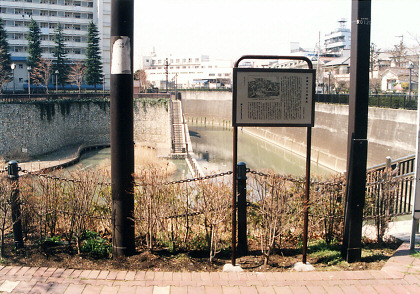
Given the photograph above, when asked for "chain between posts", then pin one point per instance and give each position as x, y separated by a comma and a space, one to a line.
254, 172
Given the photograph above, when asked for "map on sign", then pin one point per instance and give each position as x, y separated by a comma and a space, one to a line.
273, 97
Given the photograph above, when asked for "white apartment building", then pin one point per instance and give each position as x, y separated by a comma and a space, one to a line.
73, 15
187, 71
338, 40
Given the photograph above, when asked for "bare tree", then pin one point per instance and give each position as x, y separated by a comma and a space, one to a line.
141, 76
77, 73
399, 54
41, 74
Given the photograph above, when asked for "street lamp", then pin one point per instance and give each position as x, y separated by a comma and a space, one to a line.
56, 79
410, 67
13, 66
29, 80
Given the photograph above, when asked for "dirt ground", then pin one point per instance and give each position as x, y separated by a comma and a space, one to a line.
63, 256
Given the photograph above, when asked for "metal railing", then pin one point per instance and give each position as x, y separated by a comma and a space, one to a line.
396, 101
47, 97
394, 179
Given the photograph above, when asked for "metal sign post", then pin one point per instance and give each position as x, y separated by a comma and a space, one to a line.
272, 98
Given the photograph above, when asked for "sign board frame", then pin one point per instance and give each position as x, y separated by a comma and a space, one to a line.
308, 126
273, 89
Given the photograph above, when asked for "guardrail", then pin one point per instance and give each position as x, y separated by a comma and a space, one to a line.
58, 96
394, 179
396, 101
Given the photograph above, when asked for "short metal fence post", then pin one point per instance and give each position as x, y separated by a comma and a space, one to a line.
242, 247
13, 175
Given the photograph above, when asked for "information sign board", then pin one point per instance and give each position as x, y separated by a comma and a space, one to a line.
273, 97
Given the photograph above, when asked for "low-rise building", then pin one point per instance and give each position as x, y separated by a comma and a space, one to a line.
187, 71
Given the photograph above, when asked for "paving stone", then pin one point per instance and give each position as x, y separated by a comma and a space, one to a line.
144, 290
213, 290
75, 289
40, 288
102, 275
127, 290
228, 290
161, 290
58, 289
316, 289
8, 286
106, 289
282, 290
94, 274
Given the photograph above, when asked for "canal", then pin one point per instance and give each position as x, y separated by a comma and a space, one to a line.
213, 148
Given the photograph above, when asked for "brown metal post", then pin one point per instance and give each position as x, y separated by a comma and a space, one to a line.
307, 190
242, 246
13, 175
122, 143
234, 192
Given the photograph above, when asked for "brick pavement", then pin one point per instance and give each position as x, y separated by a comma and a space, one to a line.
401, 274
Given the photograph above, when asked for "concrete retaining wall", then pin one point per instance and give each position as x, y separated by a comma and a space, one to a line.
41, 127
391, 132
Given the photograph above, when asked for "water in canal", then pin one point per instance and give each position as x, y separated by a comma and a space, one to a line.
213, 148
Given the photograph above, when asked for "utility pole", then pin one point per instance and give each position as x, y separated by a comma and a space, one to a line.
167, 73
122, 142
357, 132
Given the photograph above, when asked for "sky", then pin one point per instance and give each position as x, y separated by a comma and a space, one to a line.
228, 29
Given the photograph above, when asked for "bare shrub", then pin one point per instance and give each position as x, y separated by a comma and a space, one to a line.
327, 208
81, 196
5, 210
279, 207
49, 204
382, 189
213, 198
149, 197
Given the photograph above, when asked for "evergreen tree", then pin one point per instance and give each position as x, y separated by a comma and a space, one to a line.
5, 70
34, 44
60, 61
94, 74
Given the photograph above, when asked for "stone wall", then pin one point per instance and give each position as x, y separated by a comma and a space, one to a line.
42, 127
391, 132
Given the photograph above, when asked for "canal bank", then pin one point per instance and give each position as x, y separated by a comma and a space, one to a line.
391, 132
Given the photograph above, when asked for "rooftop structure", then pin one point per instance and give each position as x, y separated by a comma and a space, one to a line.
73, 15
338, 40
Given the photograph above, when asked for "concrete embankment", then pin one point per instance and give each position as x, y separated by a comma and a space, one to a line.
391, 132
39, 127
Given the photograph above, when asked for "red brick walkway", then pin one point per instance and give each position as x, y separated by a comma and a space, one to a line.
401, 274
